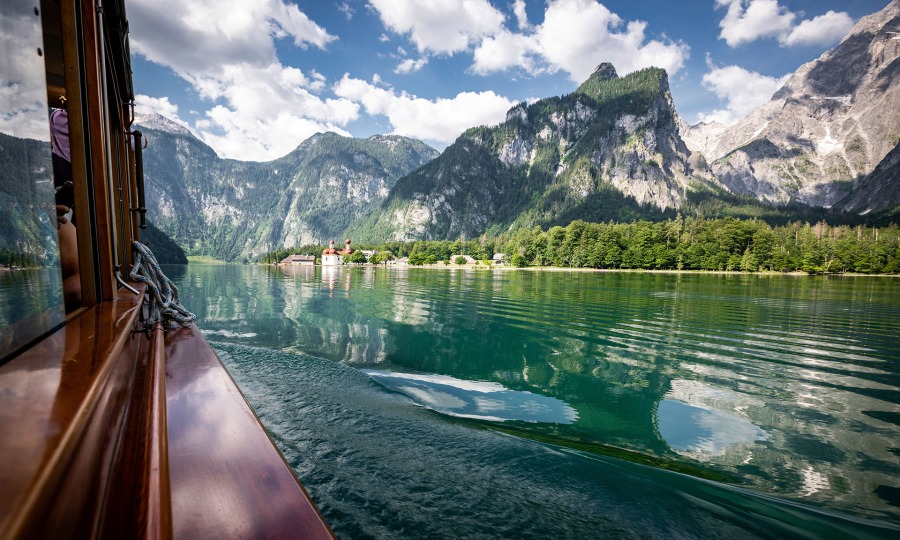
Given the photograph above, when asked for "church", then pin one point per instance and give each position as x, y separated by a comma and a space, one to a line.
333, 257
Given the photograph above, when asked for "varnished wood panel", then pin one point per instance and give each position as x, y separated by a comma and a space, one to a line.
62, 405
76, 110
137, 501
158, 517
227, 478
95, 129
93, 416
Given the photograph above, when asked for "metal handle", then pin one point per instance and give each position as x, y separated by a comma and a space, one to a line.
139, 174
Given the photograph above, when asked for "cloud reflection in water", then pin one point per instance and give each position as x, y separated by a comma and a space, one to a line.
703, 431
475, 399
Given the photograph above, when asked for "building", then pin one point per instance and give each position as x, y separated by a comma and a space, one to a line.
334, 257
299, 260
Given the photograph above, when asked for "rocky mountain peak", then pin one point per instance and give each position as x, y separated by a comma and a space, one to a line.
604, 73
609, 150
869, 51
831, 124
161, 123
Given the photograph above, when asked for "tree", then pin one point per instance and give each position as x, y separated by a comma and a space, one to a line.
357, 257
749, 262
382, 257
460, 260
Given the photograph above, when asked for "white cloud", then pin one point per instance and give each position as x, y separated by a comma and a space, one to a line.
23, 90
742, 90
503, 50
348, 11
822, 30
760, 18
144, 104
269, 113
234, 135
409, 65
260, 109
196, 38
576, 36
746, 21
440, 120
521, 15
443, 27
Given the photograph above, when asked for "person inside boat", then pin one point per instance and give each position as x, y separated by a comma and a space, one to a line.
65, 205
62, 155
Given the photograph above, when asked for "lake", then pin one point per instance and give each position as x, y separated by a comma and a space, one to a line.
31, 304
439, 403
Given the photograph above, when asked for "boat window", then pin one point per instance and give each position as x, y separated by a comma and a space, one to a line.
31, 292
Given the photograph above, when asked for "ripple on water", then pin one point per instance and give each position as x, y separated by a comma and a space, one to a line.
791, 386
379, 466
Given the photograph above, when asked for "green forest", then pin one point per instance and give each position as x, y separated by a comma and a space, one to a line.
682, 243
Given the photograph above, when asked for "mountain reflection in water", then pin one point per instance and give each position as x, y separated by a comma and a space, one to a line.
475, 399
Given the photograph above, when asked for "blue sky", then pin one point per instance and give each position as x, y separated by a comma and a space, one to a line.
254, 78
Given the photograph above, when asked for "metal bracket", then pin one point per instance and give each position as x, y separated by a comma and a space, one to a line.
123, 284
139, 326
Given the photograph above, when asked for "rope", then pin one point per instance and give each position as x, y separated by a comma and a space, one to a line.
162, 297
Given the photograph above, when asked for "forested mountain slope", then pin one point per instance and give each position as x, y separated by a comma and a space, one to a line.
235, 210
609, 150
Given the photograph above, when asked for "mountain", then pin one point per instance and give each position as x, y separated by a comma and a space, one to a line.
824, 147
235, 210
609, 150
877, 192
164, 248
821, 135
28, 219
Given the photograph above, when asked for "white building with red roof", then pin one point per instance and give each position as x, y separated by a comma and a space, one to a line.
334, 257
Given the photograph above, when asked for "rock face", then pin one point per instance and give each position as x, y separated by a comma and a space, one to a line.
236, 210
825, 130
609, 150
877, 192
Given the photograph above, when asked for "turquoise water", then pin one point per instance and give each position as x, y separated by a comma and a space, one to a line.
456, 403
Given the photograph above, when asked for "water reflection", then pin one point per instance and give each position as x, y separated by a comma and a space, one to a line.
703, 422
475, 399
28, 235
229, 334
791, 385
333, 278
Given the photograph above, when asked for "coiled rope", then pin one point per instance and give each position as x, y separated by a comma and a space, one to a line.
162, 297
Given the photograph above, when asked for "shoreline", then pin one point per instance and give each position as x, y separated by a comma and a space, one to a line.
505, 268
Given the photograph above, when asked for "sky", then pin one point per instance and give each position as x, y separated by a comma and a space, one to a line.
255, 78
